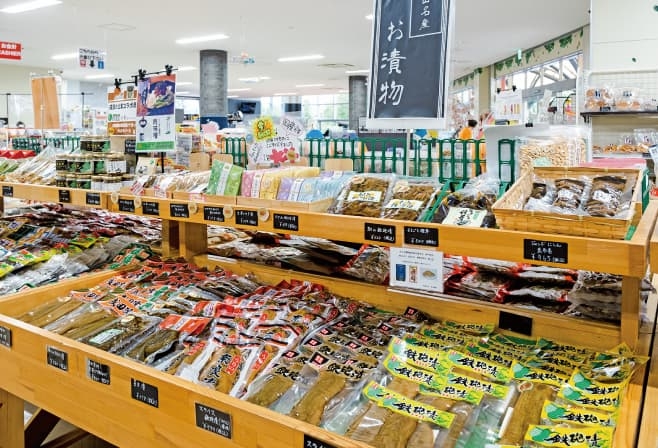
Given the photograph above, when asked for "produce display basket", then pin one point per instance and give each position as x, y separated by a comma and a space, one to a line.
510, 217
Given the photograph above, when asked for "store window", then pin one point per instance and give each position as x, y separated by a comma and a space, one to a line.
542, 75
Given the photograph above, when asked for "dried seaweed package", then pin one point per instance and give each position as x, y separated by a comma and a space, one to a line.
363, 195
410, 198
371, 264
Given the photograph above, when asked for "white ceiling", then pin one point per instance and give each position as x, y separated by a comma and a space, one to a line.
485, 31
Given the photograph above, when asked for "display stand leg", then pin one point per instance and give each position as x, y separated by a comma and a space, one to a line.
193, 240
170, 237
11, 421
630, 311
39, 427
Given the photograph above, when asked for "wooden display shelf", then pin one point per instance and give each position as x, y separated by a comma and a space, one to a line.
47, 193
612, 256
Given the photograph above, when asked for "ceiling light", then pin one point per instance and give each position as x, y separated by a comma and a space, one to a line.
369, 17
60, 57
186, 68
286, 94
254, 79
29, 6
184, 83
308, 85
232, 96
192, 40
350, 72
101, 76
309, 57
244, 89
343, 91
182, 93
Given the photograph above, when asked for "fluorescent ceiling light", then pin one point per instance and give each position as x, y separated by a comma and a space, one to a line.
350, 72
193, 40
286, 94
238, 90
254, 79
309, 57
184, 83
186, 68
343, 91
232, 96
309, 85
29, 6
182, 93
101, 76
369, 17
61, 57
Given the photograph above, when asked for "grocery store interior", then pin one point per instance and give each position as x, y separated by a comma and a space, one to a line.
328, 224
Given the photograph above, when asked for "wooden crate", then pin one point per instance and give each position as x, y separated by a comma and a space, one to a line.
511, 216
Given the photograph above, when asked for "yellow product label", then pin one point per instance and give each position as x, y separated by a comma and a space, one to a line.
400, 369
505, 350
488, 355
400, 404
486, 387
364, 196
457, 393
580, 381
607, 403
446, 336
523, 372
547, 344
560, 361
470, 363
427, 359
405, 204
477, 329
428, 343
548, 367
574, 415
564, 437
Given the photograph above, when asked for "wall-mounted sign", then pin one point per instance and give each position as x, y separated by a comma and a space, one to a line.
89, 58
409, 64
11, 50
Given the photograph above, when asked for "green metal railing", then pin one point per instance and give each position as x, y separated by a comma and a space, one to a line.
36, 143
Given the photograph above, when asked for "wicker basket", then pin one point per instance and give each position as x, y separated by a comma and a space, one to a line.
510, 217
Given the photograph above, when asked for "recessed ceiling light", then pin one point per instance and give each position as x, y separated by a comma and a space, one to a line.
186, 68
309, 57
238, 90
308, 85
61, 57
232, 96
350, 72
369, 17
285, 94
208, 38
101, 76
184, 83
29, 6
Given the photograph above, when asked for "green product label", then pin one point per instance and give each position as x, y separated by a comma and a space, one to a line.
562, 437
579, 381
571, 415
457, 393
155, 146
431, 360
536, 375
400, 369
608, 403
470, 363
479, 329
492, 389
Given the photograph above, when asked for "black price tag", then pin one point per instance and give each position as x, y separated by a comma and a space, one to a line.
215, 214
380, 233
65, 196
93, 199
179, 211
286, 222
129, 146
312, 442
546, 251
151, 208
127, 205
421, 236
246, 218
57, 358
213, 420
5, 336
516, 323
8, 191
97, 372
144, 392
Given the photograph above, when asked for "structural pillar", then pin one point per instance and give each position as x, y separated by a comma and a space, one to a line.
213, 85
358, 100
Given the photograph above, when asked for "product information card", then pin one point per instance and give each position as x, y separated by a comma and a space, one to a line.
417, 269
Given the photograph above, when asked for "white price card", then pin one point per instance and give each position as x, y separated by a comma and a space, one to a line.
416, 269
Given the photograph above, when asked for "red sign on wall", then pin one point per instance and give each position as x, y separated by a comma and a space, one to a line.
11, 50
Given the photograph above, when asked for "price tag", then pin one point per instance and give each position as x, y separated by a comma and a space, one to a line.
93, 199
213, 420
129, 146
5, 336
57, 358
151, 208
127, 205
246, 218
379, 233
65, 196
97, 372
421, 236
144, 392
179, 211
286, 222
546, 251
312, 442
8, 191
215, 214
